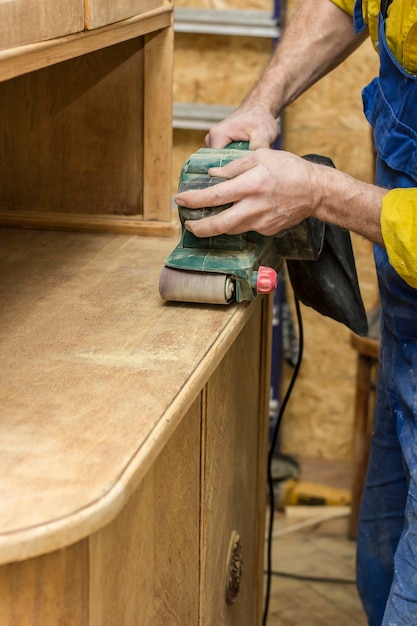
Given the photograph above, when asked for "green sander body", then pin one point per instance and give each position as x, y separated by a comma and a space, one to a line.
229, 268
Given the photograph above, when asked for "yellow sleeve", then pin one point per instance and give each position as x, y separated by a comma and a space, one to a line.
346, 5
399, 231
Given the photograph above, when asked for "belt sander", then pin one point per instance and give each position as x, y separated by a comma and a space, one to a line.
228, 268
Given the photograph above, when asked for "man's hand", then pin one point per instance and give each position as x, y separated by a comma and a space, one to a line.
272, 190
255, 124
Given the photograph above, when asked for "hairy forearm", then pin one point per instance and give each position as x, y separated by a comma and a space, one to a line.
319, 37
353, 204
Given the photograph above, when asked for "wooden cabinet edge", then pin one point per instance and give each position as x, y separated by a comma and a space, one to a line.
23, 59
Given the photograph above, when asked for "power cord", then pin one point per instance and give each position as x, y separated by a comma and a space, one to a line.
315, 579
271, 454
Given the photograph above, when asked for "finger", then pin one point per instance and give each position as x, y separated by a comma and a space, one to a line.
217, 195
219, 141
228, 221
221, 134
234, 168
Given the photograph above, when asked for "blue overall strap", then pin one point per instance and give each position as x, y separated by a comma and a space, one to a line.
358, 20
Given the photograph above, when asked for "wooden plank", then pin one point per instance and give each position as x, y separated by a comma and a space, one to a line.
103, 12
144, 565
158, 103
104, 369
49, 590
28, 58
26, 21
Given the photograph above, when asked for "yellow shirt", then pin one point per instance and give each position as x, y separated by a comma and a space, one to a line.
399, 206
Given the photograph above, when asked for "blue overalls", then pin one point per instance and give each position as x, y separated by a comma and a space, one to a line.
387, 532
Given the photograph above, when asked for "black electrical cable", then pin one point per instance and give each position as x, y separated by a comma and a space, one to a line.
271, 454
315, 579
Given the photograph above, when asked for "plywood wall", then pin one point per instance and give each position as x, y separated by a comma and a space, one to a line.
212, 69
327, 120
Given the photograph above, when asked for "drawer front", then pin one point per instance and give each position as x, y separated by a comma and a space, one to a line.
27, 21
103, 12
233, 496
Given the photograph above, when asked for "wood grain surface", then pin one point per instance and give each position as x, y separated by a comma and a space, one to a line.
25, 21
102, 12
97, 373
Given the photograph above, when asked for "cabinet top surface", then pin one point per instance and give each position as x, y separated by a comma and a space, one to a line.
96, 373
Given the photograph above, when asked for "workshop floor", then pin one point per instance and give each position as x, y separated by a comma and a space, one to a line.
316, 550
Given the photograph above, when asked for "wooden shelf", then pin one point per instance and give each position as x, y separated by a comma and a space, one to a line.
86, 136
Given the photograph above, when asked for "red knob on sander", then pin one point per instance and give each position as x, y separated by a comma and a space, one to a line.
266, 280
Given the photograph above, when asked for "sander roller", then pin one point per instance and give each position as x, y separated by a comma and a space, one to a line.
229, 268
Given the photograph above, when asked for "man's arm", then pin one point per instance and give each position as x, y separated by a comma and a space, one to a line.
319, 37
272, 190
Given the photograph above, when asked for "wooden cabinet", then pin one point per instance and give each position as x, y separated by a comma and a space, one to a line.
133, 440
133, 432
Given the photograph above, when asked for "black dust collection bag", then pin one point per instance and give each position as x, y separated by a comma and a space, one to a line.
329, 284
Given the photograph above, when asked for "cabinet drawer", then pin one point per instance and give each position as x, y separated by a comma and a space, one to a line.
27, 21
233, 497
102, 12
